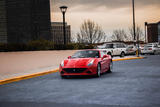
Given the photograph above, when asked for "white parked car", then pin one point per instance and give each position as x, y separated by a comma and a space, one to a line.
150, 48
131, 50
114, 49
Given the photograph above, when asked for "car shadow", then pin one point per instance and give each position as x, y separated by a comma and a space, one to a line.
89, 77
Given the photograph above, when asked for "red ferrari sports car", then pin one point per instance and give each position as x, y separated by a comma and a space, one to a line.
86, 62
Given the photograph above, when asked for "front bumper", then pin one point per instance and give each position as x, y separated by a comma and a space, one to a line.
78, 71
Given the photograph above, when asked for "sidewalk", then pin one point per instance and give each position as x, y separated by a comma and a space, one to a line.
14, 64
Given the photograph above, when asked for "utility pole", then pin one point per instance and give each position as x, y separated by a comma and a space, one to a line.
134, 29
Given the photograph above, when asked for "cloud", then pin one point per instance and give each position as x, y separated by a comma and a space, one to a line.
90, 5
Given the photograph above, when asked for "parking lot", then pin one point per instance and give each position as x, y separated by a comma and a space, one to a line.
15, 64
134, 83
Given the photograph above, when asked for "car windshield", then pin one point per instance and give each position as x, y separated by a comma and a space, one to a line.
109, 45
130, 47
86, 54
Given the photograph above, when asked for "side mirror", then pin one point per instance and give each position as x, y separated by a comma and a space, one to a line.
69, 57
105, 56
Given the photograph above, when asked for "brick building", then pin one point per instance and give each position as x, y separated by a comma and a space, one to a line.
153, 32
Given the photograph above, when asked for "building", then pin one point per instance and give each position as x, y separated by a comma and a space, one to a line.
153, 32
3, 22
24, 20
57, 32
159, 32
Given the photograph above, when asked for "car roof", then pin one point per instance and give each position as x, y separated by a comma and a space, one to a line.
92, 49
89, 50
115, 43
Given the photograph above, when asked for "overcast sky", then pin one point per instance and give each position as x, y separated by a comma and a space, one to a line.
110, 14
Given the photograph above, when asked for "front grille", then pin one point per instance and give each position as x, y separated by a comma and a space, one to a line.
74, 70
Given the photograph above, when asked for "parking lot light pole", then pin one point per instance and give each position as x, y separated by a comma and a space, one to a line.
145, 25
134, 28
138, 45
134, 31
63, 10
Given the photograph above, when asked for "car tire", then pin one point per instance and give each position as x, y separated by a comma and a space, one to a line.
122, 54
98, 70
63, 77
110, 67
154, 53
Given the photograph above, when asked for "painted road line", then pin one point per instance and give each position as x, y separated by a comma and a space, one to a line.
6, 81
10, 80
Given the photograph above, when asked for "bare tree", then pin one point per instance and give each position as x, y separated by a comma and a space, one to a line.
73, 37
139, 33
90, 32
119, 35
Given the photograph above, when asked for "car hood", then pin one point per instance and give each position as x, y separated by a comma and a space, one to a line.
77, 62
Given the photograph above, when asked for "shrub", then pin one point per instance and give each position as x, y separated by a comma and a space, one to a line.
40, 45
16, 47
89, 47
3, 47
59, 47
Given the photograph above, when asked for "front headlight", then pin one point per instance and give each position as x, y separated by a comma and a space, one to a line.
91, 62
62, 63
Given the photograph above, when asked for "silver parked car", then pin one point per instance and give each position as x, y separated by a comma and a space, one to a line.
150, 48
131, 50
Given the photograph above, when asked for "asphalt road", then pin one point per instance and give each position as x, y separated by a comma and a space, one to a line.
134, 83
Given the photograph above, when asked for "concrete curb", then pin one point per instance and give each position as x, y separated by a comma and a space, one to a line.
10, 80
6, 81
128, 58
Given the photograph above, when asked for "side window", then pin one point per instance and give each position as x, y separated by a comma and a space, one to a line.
155, 46
97, 54
115, 46
102, 54
118, 45
123, 46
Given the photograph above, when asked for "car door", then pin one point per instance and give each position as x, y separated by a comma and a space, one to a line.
123, 48
120, 48
115, 49
103, 61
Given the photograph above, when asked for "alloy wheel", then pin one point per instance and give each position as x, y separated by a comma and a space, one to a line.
98, 70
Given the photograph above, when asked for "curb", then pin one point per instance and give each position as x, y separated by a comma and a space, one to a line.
128, 58
15, 79
10, 80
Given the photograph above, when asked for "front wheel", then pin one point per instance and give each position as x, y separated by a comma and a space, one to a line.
154, 53
122, 54
142, 54
98, 70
